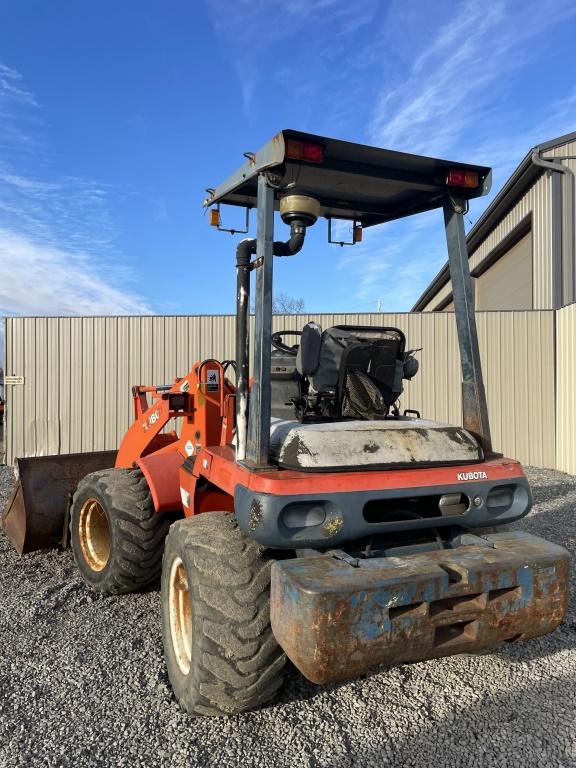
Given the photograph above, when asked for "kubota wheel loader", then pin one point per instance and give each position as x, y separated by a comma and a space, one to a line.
319, 522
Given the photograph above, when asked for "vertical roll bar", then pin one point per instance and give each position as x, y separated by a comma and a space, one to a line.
474, 407
258, 443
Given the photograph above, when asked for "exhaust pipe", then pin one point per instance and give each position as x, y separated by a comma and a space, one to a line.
300, 211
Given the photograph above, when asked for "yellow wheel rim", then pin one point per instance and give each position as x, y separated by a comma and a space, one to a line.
180, 611
94, 535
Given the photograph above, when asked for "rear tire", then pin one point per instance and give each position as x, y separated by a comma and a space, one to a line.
116, 534
221, 655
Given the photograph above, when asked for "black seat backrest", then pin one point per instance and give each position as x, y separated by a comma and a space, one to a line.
369, 354
308, 356
370, 379
379, 360
379, 349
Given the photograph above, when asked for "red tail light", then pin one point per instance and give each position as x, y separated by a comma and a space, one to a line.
462, 178
300, 150
313, 152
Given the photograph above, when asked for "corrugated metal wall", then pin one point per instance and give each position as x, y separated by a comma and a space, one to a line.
78, 372
566, 153
566, 389
537, 201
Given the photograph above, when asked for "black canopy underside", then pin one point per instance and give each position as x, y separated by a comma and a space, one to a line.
353, 182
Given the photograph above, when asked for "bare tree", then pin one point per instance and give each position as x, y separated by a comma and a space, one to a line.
283, 304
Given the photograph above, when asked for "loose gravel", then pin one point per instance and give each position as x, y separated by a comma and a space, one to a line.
82, 683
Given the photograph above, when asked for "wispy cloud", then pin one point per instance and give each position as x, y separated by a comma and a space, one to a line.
277, 41
18, 111
40, 279
437, 78
396, 262
67, 210
456, 85
391, 265
57, 236
13, 87
453, 99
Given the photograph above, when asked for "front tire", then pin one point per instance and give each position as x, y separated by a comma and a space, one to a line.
117, 536
221, 655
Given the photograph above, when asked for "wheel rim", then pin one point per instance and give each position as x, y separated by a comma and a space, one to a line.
94, 535
180, 610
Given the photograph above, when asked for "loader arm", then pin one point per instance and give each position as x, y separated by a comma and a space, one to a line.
143, 437
203, 399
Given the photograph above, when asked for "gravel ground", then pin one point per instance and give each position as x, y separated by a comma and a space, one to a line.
82, 683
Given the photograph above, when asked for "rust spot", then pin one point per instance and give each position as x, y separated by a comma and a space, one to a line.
332, 526
255, 514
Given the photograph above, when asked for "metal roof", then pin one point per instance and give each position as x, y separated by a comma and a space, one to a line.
352, 181
513, 189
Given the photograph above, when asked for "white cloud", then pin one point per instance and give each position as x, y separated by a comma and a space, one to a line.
437, 78
396, 262
393, 262
502, 150
57, 252
13, 88
40, 279
19, 114
70, 211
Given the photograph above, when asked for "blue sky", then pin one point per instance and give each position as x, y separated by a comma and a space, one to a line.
115, 116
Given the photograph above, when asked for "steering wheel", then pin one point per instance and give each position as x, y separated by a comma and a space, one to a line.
278, 343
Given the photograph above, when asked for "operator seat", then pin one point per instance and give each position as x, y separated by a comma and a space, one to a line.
349, 378
353, 371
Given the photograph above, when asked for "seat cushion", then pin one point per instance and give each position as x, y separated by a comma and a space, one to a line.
370, 444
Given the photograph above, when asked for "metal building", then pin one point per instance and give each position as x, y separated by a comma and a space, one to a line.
522, 248
70, 377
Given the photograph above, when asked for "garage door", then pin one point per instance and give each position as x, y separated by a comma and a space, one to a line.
507, 284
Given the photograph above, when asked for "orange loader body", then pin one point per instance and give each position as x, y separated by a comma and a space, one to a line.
197, 471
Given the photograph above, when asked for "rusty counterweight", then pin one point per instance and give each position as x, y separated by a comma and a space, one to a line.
335, 621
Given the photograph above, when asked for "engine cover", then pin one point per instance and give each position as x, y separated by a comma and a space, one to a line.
356, 444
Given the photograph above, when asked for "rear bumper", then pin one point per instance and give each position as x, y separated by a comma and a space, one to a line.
334, 621
328, 519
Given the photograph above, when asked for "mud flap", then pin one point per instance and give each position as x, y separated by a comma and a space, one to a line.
337, 619
37, 512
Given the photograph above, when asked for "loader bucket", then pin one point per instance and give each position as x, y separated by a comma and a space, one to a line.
36, 515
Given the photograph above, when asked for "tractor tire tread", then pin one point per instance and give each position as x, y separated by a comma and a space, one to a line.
238, 665
138, 531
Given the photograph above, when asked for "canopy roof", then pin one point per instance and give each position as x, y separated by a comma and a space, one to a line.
351, 181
